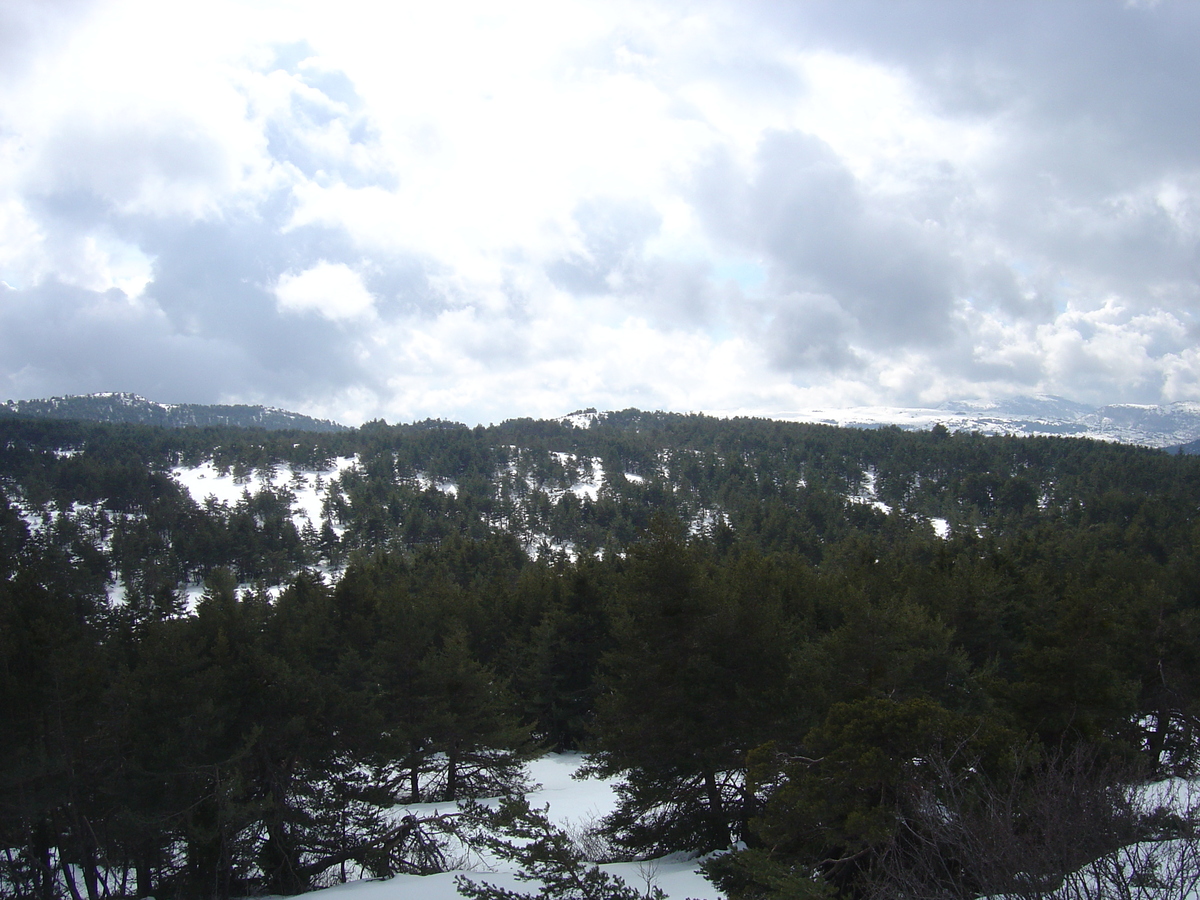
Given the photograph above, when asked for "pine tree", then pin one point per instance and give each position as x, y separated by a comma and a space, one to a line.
697, 677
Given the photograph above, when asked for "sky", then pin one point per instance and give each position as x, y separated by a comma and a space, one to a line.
478, 211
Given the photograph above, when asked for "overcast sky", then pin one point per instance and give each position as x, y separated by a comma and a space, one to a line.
477, 211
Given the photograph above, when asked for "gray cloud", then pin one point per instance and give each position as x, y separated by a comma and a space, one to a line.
888, 275
207, 324
613, 261
1055, 247
55, 338
96, 166
613, 234
810, 331
1092, 98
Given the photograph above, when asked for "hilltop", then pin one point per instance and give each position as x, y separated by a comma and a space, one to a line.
129, 408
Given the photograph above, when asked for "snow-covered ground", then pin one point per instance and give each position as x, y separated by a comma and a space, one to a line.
445, 485
591, 480
868, 492
1127, 423
584, 418
573, 805
309, 488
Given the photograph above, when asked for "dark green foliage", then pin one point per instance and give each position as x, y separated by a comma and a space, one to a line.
697, 677
727, 621
843, 799
130, 408
757, 873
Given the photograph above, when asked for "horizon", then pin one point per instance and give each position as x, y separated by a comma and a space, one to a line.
1163, 426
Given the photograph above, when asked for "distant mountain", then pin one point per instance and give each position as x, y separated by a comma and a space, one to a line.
1176, 425
130, 408
1126, 423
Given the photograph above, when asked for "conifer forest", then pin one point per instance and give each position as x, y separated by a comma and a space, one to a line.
829, 662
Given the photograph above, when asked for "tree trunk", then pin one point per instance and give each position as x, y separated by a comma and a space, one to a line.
90, 877
41, 853
69, 878
451, 775
144, 869
718, 825
1158, 738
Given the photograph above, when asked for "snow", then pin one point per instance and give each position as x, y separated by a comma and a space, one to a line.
941, 527
584, 418
192, 594
574, 804
309, 487
591, 476
589, 485
867, 493
204, 481
1127, 423
445, 485
706, 520
91, 518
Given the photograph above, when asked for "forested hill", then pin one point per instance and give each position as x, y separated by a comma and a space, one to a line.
270, 503
225, 654
130, 408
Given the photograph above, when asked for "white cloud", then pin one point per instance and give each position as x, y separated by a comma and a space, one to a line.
530, 207
332, 290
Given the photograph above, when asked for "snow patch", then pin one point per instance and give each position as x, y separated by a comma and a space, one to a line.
590, 481
583, 418
445, 485
705, 521
573, 804
867, 494
310, 488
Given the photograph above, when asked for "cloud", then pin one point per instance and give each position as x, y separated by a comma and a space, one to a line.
29, 27
481, 211
611, 243
332, 290
883, 276
57, 338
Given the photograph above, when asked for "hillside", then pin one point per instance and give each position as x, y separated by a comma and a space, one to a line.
132, 409
1127, 423
583, 484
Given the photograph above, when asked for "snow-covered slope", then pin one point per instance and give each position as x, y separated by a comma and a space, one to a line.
309, 489
1127, 423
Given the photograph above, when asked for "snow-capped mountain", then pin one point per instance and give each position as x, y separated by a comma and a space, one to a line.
1126, 423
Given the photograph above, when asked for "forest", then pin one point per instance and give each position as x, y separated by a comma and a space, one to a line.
836, 662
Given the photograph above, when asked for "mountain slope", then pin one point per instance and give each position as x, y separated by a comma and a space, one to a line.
1125, 423
132, 409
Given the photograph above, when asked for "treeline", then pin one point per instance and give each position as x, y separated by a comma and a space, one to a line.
782, 486
763, 654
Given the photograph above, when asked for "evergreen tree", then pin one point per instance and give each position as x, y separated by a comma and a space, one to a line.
697, 677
